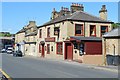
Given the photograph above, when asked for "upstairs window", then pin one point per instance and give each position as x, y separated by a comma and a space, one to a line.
92, 30
104, 29
40, 35
59, 48
79, 30
56, 31
48, 32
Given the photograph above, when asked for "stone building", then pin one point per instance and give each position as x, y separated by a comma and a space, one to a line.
25, 39
111, 43
19, 40
76, 35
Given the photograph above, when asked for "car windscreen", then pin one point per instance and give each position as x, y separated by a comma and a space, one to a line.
10, 49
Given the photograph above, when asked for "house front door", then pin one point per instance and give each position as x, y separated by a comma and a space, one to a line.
68, 51
43, 51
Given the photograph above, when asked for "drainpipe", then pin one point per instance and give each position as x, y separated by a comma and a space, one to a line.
114, 50
84, 29
104, 51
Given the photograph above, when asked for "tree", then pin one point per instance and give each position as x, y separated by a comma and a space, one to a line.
115, 25
5, 34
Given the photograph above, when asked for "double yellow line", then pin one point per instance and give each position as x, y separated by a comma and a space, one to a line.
5, 74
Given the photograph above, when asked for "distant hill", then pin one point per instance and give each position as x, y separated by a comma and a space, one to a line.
6, 34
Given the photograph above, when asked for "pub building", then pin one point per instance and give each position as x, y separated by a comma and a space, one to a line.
73, 35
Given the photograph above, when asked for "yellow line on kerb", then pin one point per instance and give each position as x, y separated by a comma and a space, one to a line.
5, 74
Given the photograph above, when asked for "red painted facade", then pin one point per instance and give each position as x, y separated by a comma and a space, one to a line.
93, 48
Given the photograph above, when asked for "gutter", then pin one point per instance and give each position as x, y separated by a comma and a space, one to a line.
74, 20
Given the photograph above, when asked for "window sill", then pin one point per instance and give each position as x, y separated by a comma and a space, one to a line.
79, 35
59, 54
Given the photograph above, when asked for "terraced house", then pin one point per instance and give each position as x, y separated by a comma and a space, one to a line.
73, 35
25, 39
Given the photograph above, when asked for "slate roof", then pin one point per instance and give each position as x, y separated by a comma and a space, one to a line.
77, 16
32, 34
22, 30
113, 33
82, 38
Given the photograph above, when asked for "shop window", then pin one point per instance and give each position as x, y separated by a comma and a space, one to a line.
75, 45
79, 30
51, 48
104, 29
92, 30
40, 35
39, 48
48, 48
59, 48
45, 48
81, 52
48, 32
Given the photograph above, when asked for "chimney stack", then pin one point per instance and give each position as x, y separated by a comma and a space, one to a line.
64, 11
103, 12
32, 22
77, 7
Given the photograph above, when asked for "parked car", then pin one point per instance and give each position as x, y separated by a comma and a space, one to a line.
9, 51
17, 53
3, 50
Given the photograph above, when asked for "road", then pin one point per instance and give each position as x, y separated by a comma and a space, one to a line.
30, 67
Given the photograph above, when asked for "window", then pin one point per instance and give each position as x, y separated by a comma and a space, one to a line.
56, 30
33, 49
92, 30
81, 49
75, 45
39, 48
59, 48
48, 48
78, 29
40, 35
51, 48
48, 32
104, 29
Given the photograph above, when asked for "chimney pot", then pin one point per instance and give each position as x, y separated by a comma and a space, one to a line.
77, 4
61, 8
74, 4
65, 9
53, 9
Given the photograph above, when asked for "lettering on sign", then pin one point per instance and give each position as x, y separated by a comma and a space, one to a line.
51, 39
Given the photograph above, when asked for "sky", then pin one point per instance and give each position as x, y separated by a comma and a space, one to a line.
15, 15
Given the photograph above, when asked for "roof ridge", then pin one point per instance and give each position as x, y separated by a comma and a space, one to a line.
73, 14
93, 15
